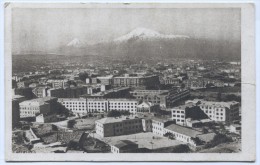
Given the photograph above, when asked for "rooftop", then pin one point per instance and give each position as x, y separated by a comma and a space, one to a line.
107, 120
183, 130
211, 103
123, 143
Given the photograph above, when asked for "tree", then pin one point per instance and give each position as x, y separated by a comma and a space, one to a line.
71, 123
83, 76
209, 85
182, 148
218, 139
113, 113
204, 130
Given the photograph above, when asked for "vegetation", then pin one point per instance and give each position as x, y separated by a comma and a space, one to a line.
115, 113
169, 135
218, 139
71, 123
83, 76
182, 148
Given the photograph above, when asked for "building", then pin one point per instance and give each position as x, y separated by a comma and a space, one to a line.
226, 112
158, 125
164, 98
106, 80
182, 133
58, 83
136, 81
16, 99
198, 83
76, 105
83, 106
31, 108
115, 126
235, 128
23, 84
146, 107
123, 146
46, 118
118, 92
170, 80
74, 92
105, 105
40, 91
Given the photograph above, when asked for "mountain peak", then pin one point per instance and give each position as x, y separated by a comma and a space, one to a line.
144, 33
75, 43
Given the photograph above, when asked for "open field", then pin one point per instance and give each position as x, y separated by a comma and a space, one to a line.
144, 140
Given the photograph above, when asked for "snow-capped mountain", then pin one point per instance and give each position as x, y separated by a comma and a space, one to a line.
144, 34
75, 43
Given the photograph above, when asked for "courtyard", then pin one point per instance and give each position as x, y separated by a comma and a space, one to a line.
144, 140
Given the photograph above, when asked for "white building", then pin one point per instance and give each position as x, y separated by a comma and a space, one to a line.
76, 105
219, 111
32, 108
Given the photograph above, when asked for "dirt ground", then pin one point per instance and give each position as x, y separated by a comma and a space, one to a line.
144, 140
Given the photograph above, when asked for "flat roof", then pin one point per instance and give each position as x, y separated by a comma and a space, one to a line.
183, 130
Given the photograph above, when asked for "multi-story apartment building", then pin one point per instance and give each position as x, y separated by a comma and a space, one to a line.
83, 106
219, 111
76, 105
165, 98
119, 104
136, 81
115, 126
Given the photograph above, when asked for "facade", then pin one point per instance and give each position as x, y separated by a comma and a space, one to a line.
219, 111
23, 84
16, 99
31, 108
115, 126
83, 106
40, 91
123, 146
170, 80
164, 98
76, 105
147, 107
159, 124
136, 81
74, 92
58, 83
107, 80
178, 115
182, 133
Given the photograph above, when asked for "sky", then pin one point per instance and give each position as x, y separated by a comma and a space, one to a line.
48, 29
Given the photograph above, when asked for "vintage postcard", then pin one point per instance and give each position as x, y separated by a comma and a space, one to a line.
130, 82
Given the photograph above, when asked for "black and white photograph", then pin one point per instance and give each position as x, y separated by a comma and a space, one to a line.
116, 80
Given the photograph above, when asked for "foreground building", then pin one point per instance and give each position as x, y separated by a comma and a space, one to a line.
123, 146
226, 112
31, 108
115, 126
